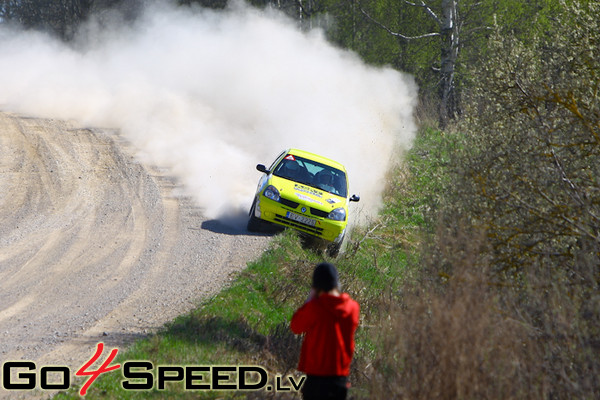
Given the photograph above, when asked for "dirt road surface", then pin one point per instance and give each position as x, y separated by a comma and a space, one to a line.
94, 246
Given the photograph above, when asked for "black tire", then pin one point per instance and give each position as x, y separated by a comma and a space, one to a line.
254, 224
333, 249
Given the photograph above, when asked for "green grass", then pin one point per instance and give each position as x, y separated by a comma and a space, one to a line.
247, 323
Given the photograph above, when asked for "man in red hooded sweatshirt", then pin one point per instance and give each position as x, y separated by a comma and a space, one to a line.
328, 319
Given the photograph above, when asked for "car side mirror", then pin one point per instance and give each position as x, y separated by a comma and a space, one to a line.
355, 198
262, 169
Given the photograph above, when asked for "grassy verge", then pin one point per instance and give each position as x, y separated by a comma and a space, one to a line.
247, 323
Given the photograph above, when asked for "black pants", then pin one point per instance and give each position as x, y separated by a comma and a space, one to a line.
325, 388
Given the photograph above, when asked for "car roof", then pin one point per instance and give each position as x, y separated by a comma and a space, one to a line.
316, 157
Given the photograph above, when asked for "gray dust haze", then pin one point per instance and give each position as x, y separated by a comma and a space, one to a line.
209, 95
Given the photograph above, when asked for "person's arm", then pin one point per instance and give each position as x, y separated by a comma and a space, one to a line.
303, 318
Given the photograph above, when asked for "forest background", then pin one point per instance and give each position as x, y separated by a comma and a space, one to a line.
480, 278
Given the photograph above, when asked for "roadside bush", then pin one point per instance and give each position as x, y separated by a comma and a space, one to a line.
531, 172
448, 339
529, 176
507, 302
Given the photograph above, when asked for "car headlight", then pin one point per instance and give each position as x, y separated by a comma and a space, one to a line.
271, 193
339, 214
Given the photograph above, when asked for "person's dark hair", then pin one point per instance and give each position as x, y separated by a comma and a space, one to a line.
325, 277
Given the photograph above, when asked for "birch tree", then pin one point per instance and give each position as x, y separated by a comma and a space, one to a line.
447, 24
448, 56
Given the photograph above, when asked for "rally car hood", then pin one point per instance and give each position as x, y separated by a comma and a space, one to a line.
306, 194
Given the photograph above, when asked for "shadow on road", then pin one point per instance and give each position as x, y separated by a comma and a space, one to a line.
234, 223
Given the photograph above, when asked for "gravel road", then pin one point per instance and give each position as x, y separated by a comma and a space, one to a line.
96, 247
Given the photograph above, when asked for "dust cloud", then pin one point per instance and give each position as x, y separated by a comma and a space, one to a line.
209, 94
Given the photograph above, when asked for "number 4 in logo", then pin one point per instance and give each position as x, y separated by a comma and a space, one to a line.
83, 371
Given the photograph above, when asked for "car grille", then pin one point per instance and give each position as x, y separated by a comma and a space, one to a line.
313, 230
319, 213
293, 205
289, 203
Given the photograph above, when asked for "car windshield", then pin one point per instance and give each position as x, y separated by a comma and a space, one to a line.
312, 173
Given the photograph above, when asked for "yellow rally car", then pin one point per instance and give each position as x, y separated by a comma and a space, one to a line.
306, 192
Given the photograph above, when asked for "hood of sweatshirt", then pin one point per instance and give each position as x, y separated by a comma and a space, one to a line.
338, 306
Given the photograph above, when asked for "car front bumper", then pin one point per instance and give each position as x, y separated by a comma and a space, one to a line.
277, 213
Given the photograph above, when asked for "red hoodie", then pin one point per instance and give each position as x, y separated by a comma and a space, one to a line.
329, 323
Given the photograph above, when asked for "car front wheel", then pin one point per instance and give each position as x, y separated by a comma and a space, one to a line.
254, 224
333, 249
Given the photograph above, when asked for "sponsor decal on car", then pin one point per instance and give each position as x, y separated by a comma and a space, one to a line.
308, 198
307, 189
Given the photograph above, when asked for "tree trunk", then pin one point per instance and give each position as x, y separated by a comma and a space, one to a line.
449, 54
